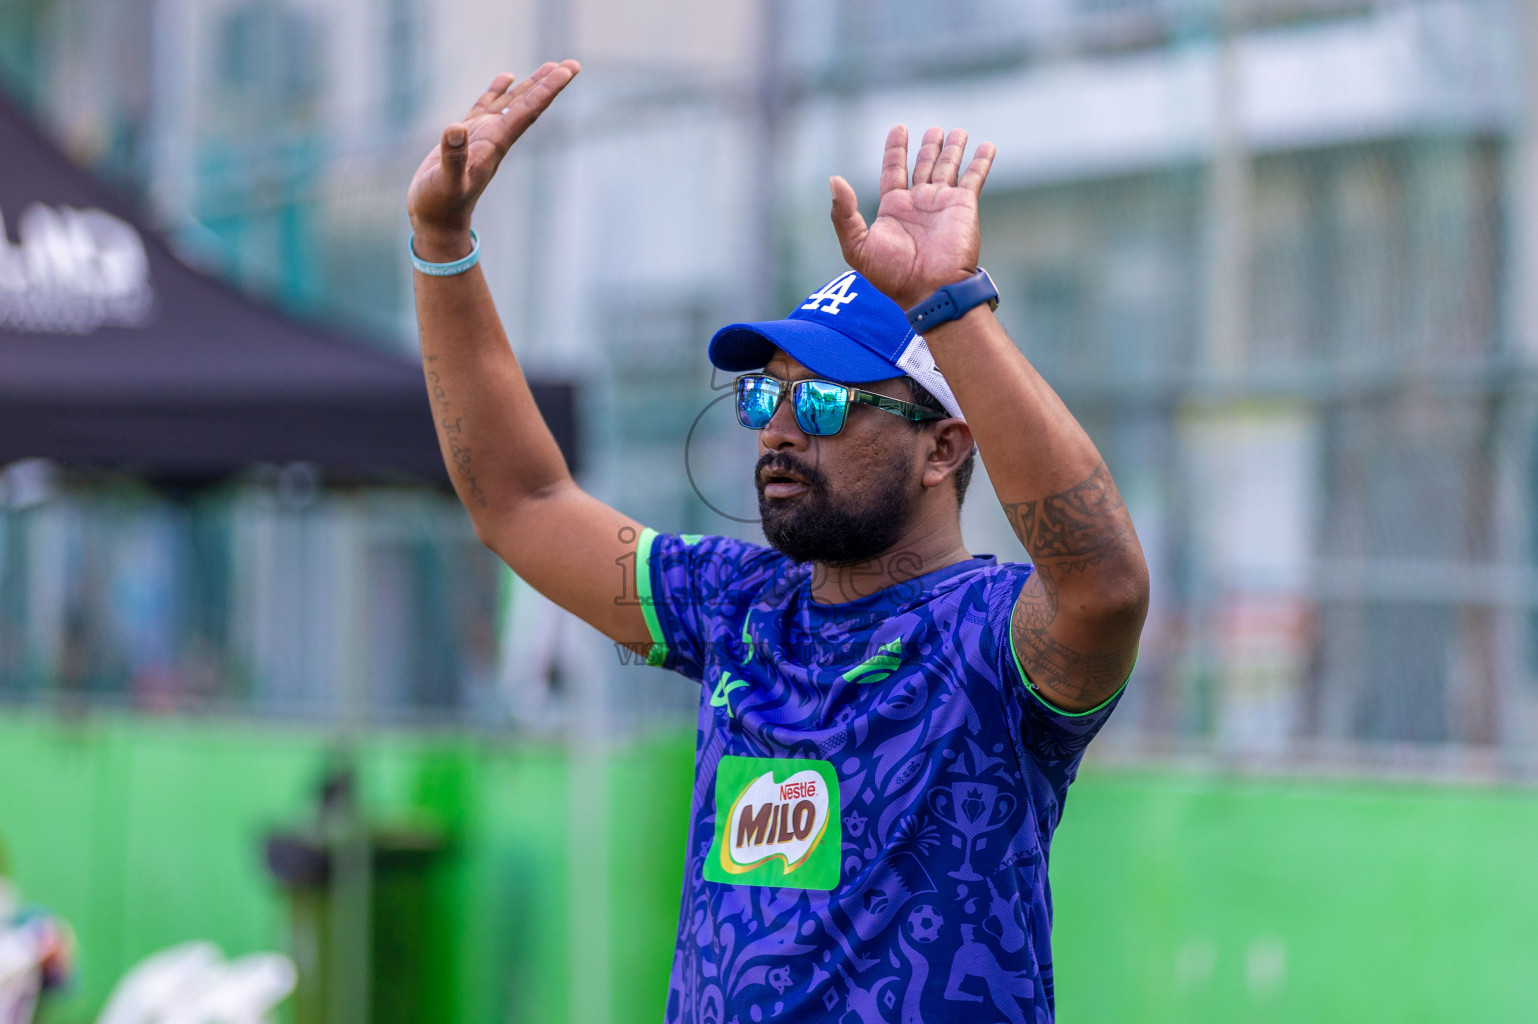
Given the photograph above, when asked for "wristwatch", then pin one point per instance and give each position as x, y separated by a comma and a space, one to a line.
953, 300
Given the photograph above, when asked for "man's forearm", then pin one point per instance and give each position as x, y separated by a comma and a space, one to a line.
1051, 480
495, 443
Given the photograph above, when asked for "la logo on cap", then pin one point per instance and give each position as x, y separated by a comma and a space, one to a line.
835, 294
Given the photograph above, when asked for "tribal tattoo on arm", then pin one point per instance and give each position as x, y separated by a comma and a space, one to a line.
1081, 540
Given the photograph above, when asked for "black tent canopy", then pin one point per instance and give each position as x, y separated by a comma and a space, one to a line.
115, 354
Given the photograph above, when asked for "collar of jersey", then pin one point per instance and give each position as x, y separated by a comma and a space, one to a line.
897, 595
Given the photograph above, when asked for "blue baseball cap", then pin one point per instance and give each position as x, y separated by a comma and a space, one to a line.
847, 331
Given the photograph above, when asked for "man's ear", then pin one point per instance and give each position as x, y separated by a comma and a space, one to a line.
950, 444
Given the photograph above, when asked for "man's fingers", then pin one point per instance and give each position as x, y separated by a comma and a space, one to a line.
949, 164
847, 222
894, 160
505, 90
498, 86
977, 170
551, 83
929, 152
520, 90
539, 89
454, 151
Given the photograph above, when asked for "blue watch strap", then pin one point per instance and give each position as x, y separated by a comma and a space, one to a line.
953, 300
459, 266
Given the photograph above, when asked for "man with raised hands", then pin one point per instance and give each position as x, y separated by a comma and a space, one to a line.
888, 724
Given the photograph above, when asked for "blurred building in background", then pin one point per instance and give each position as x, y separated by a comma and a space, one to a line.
1279, 256
1271, 253
1267, 254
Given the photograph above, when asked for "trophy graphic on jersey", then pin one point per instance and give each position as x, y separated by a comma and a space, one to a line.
973, 809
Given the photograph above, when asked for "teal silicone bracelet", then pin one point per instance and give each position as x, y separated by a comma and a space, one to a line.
446, 269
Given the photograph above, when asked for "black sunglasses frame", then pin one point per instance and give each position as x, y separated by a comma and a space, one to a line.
857, 396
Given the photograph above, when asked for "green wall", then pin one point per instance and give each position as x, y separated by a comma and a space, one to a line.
1211, 898
145, 833
1180, 896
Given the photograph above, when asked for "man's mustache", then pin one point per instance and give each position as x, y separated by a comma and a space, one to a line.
780, 463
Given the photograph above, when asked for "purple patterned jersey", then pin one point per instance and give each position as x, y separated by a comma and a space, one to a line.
875, 791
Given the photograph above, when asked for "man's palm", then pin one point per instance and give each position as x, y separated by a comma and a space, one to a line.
925, 236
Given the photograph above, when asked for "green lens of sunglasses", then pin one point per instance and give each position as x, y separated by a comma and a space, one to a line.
820, 406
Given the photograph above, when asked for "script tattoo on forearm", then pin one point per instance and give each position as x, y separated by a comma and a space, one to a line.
1067, 533
453, 435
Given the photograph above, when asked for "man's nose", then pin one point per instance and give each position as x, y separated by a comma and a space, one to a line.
783, 433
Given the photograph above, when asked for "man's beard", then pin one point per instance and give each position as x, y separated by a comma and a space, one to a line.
814, 528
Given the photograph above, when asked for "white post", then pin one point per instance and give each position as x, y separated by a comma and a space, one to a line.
1228, 209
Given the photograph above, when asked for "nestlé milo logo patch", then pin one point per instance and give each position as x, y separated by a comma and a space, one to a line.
777, 823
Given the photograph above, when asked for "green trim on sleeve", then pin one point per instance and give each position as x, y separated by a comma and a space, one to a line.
643, 584
1034, 692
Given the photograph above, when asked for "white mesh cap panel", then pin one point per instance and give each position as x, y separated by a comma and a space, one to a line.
917, 362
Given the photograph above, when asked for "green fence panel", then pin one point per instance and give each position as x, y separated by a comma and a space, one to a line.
1190, 898
1180, 896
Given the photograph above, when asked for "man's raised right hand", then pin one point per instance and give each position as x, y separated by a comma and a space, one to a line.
453, 176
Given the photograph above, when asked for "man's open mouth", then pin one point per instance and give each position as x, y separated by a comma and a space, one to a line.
782, 483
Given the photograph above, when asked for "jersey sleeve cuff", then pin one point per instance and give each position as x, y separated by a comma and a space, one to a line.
1034, 692
643, 572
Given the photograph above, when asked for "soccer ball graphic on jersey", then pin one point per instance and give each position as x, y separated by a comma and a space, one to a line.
925, 923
